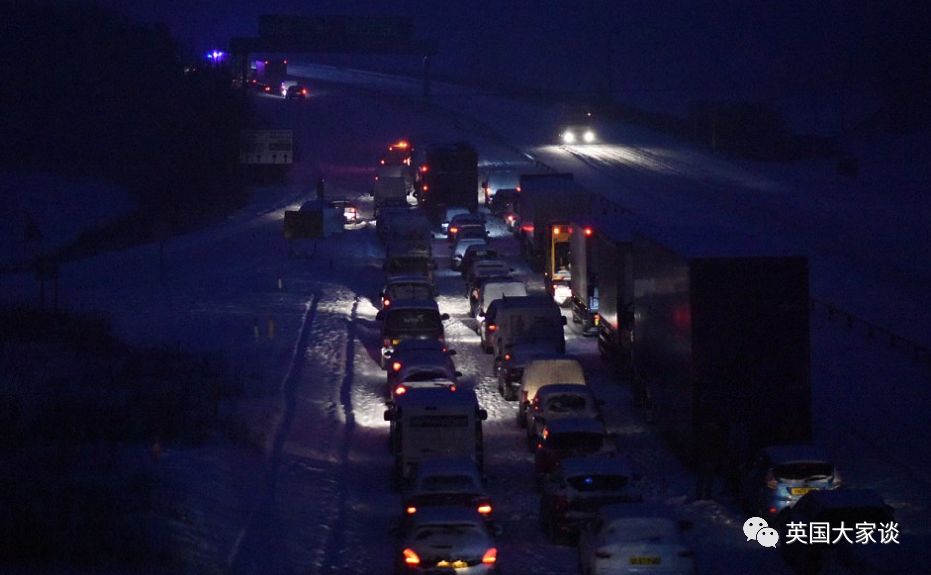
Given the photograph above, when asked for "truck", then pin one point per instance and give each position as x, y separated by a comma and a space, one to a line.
394, 174
447, 178
721, 344
546, 205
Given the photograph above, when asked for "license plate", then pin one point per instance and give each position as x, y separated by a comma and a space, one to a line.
801, 490
645, 561
453, 564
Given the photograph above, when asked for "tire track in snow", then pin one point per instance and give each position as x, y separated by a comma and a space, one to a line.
254, 550
337, 537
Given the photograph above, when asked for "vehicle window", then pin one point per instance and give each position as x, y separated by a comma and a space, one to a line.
566, 402
439, 421
400, 264
447, 483
455, 530
414, 320
410, 291
804, 470
576, 441
561, 256
585, 483
425, 376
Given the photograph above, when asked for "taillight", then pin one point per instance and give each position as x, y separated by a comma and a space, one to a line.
507, 357
452, 388
304, 92
454, 230
396, 366
511, 219
410, 558
411, 510
400, 390
490, 556
485, 509
385, 302
491, 327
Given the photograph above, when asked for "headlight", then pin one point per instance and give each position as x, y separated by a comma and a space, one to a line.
589, 136
568, 137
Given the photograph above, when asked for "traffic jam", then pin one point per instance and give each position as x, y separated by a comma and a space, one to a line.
712, 342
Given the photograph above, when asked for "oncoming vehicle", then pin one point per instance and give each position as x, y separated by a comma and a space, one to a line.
447, 482
577, 128
410, 319
559, 401
780, 475
434, 423
578, 487
447, 540
625, 539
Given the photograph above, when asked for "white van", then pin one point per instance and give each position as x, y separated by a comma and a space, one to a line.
528, 318
497, 289
546, 371
432, 423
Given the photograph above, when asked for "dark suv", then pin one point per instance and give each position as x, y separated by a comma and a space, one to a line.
296, 91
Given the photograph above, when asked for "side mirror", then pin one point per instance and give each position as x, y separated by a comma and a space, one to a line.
389, 415
482, 414
451, 352
481, 313
564, 322
380, 316
458, 374
444, 316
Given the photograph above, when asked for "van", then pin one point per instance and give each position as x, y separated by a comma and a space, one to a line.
546, 371
528, 318
434, 423
409, 258
497, 289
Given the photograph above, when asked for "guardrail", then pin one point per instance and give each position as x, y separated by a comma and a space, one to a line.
918, 352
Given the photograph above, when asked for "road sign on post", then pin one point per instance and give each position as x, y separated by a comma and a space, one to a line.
266, 147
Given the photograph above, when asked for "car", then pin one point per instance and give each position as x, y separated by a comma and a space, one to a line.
503, 201
423, 382
493, 289
569, 437
632, 539
482, 269
509, 368
558, 401
457, 251
401, 287
416, 357
296, 91
409, 258
447, 540
528, 318
577, 128
578, 487
350, 211
546, 370
409, 319
839, 509
475, 253
778, 476
466, 230
447, 482
459, 219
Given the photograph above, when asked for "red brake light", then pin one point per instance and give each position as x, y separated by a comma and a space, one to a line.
411, 558
426, 187
556, 230
492, 327
490, 556
304, 91
411, 510
396, 366
484, 509
454, 230
386, 302
400, 390
452, 388
507, 357
588, 231
424, 168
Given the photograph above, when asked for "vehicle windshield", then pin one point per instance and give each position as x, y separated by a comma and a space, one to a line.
472, 233
580, 441
426, 375
803, 470
414, 320
439, 421
565, 403
536, 326
444, 530
410, 291
598, 482
447, 483
402, 264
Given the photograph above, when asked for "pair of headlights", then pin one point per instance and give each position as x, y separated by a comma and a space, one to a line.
570, 137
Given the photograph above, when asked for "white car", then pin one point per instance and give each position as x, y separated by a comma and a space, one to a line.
447, 540
559, 401
619, 542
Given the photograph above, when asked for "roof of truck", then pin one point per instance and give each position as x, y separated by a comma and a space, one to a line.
699, 242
